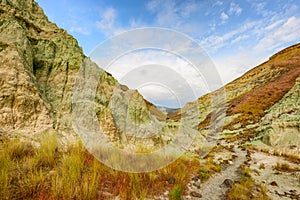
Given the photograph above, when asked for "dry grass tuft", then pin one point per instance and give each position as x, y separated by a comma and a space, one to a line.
44, 172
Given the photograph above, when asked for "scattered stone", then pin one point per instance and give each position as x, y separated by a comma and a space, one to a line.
226, 162
276, 192
293, 191
230, 162
227, 183
202, 153
277, 172
273, 183
197, 184
196, 178
231, 148
172, 180
218, 162
293, 146
248, 153
196, 194
166, 193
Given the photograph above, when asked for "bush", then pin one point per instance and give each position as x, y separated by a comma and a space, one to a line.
176, 193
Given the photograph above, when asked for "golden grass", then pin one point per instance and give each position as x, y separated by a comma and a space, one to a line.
44, 172
246, 188
284, 167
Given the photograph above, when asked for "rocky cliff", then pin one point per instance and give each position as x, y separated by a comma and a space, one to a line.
39, 63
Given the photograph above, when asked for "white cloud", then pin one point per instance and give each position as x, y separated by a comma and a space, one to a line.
275, 25
260, 8
239, 38
235, 9
215, 42
224, 16
188, 8
173, 74
136, 23
171, 14
218, 3
287, 32
107, 24
261, 36
232, 66
166, 12
80, 30
107, 19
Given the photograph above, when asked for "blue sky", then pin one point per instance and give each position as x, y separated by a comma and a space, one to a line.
237, 35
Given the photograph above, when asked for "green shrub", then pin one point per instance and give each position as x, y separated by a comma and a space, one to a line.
175, 193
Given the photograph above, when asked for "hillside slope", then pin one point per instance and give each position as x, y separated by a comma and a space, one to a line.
261, 104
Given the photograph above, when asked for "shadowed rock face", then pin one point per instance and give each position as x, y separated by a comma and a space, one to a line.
39, 63
23, 106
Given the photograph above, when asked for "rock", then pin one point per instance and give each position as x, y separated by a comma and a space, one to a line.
226, 162
202, 153
248, 152
231, 148
293, 191
196, 194
196, 178
172, 180
227, 183
274, 183
197, 184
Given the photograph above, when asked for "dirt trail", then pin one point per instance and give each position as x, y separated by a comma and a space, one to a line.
286, 181
212, 189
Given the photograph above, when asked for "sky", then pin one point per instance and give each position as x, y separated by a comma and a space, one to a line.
237, 35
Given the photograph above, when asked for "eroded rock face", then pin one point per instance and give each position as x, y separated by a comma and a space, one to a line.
22, 107
280, 127
39, 65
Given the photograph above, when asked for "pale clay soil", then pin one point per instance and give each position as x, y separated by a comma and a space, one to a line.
213, 189
286, 181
